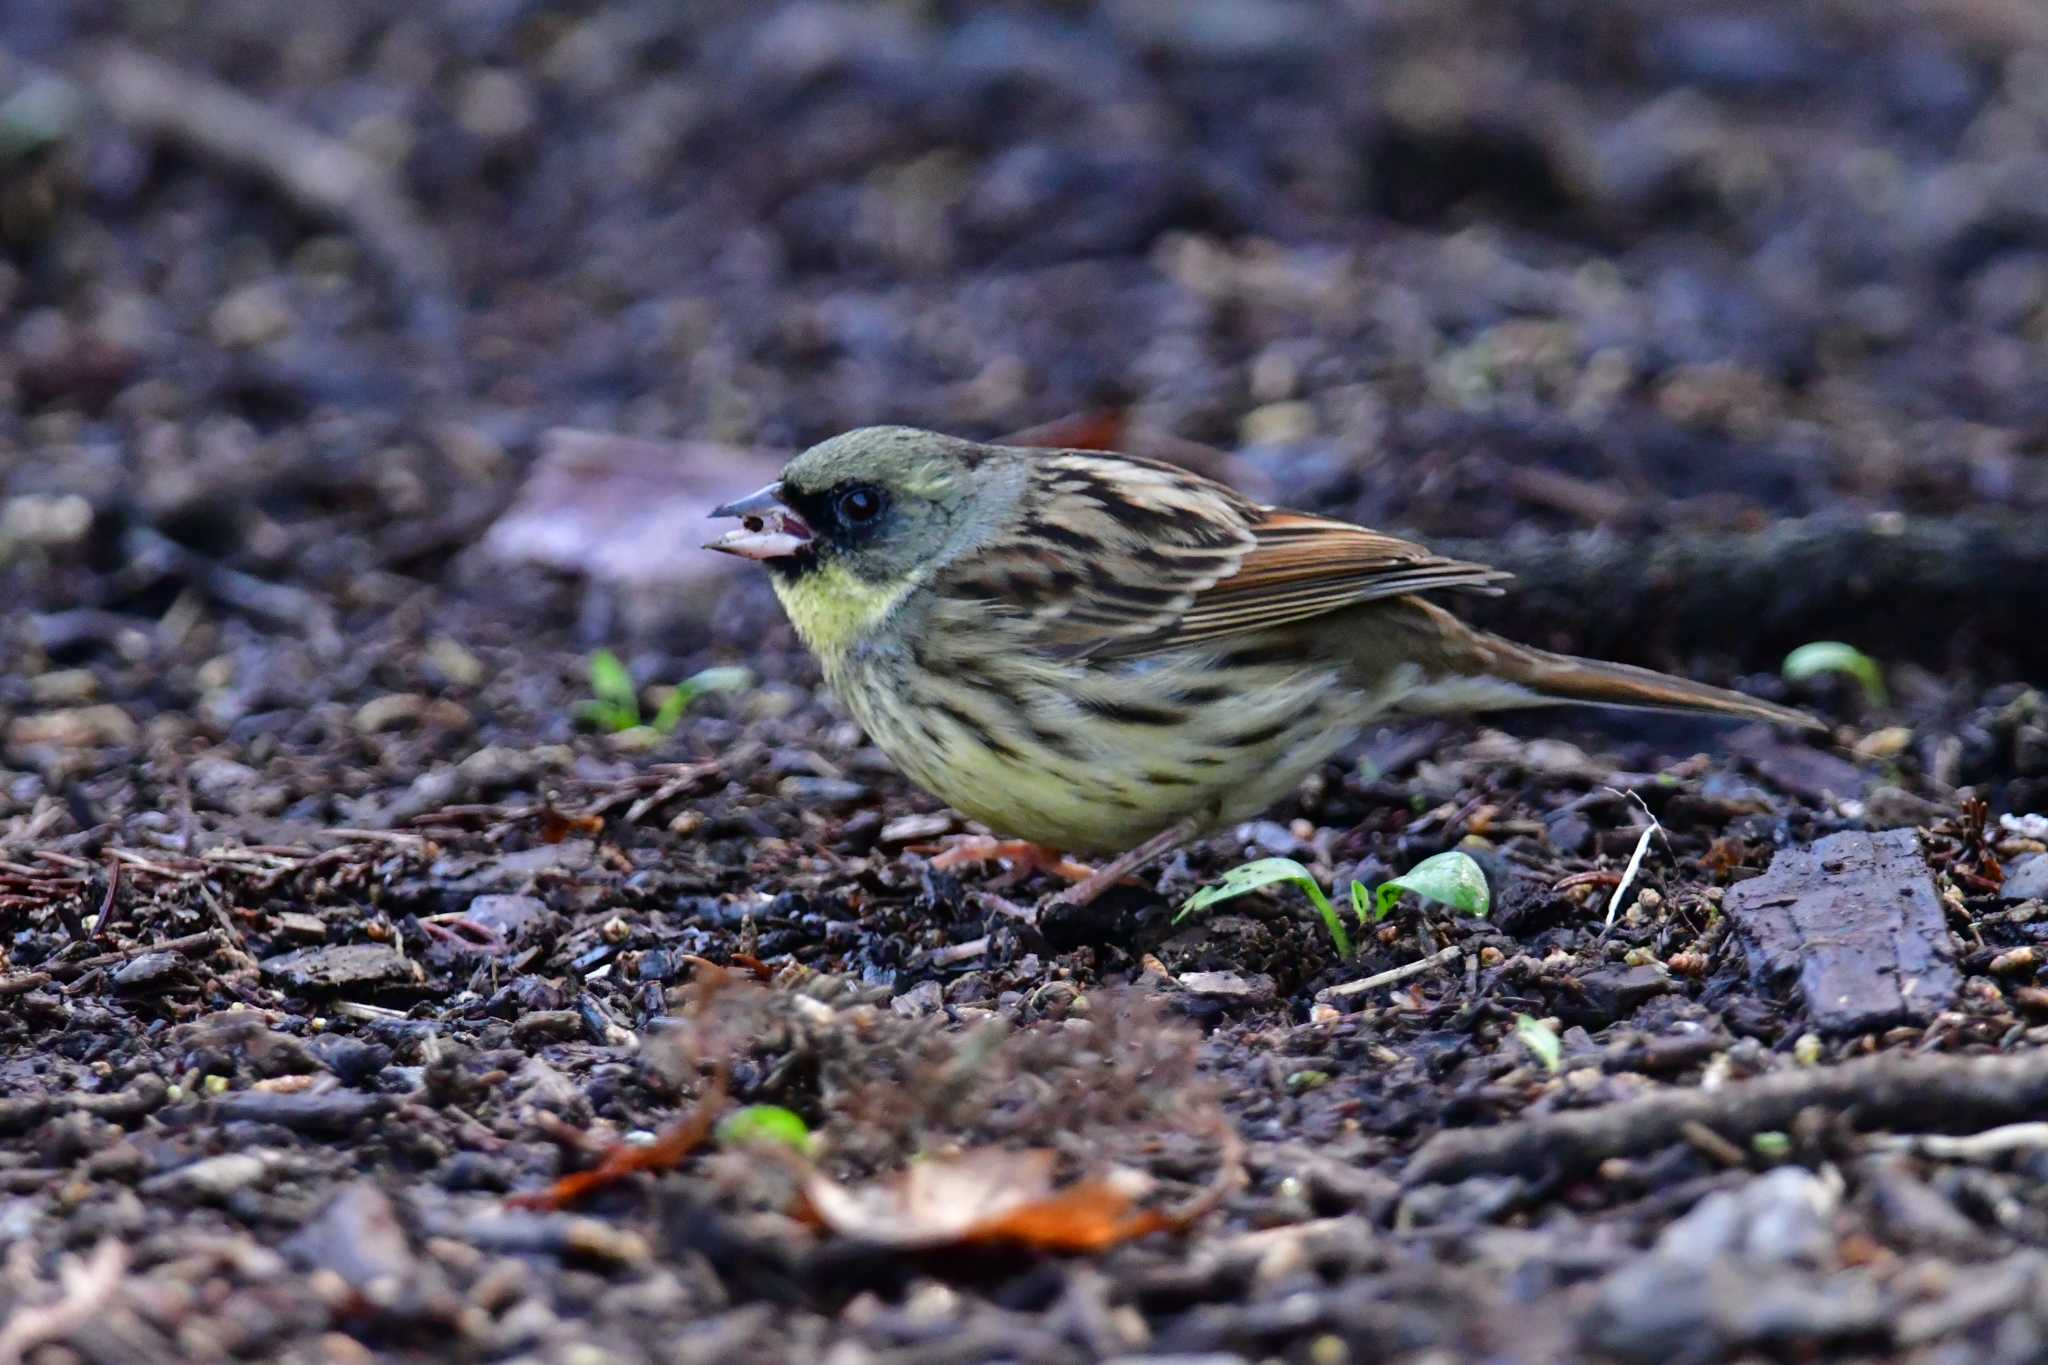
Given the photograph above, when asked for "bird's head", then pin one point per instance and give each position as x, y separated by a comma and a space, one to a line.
880, 503
855, 522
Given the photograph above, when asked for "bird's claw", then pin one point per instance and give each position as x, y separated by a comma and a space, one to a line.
1024, 858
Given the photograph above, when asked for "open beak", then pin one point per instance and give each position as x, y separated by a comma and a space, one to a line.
768, 528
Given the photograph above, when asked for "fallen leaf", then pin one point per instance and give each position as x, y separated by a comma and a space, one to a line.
982, 1198
991, 1197
557, 825
629, 511
622, 1159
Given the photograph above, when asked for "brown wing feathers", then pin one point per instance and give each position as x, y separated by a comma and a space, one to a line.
1120, 555
1301, 566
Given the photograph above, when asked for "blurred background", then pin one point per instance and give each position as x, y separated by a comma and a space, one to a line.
367, 368
323, 321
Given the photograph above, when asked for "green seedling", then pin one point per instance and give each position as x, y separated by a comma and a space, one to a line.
764, 1124
614, 704
1832, 656
1451, 879
684, 694
1542, 1040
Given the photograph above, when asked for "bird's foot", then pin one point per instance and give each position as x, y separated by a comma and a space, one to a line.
1023, 856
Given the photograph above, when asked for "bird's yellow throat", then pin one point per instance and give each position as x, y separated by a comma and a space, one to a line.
832, 608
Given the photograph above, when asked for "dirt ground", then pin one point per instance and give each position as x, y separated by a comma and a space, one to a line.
335, 933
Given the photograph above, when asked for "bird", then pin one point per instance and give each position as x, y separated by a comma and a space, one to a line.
1100, 653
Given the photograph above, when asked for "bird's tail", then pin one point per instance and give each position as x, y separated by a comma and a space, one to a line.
1567, 678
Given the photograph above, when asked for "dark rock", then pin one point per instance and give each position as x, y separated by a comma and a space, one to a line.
525, 995
1646, 1309
547, 1026
356, 1061
1799, 769
517, 920
1779, 1218
1854, 919
233, 1040
358, 1237
1909, 1212
1608, 994
341, 967
1569, 832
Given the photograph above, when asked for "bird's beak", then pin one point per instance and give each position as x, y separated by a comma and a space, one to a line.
769, 529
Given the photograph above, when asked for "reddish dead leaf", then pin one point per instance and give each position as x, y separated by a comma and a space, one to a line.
1091, 1216
1723, 856
713, 976
630, 512
992, 1197
955, 1200
1103, 429
557, 825
623, 1159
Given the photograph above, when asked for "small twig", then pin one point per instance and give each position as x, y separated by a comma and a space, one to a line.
369, 1014
190, 943
678, 785
50, 855
233, 943
154, 869
1965, 1093
1441, 957
959, 952
1992, 1142
1711, 1144
404, 838
99, 921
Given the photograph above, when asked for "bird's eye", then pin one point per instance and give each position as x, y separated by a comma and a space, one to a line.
860, 504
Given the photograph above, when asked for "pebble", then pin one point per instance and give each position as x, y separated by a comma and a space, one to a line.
2026, 878
1242, 988
214, 1177
75, 727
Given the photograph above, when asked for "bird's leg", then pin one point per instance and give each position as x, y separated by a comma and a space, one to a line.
1124, 864
1023, 856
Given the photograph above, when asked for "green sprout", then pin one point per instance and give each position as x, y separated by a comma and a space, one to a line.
1451, 879
764, 1124
1771, 1146
1832, 656
614, 703
1541, 1039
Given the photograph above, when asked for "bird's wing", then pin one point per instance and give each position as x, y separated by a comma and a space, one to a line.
1301, 566
1113, 555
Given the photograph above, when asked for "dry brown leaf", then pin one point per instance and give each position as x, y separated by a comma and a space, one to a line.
986, 1197
623, 1159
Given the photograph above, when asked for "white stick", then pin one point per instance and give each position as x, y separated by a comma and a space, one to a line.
1443, 956
1635, 862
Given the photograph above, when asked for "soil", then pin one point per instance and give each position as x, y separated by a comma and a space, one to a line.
335, 931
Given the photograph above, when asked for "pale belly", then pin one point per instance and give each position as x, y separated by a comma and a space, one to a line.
1093, 758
